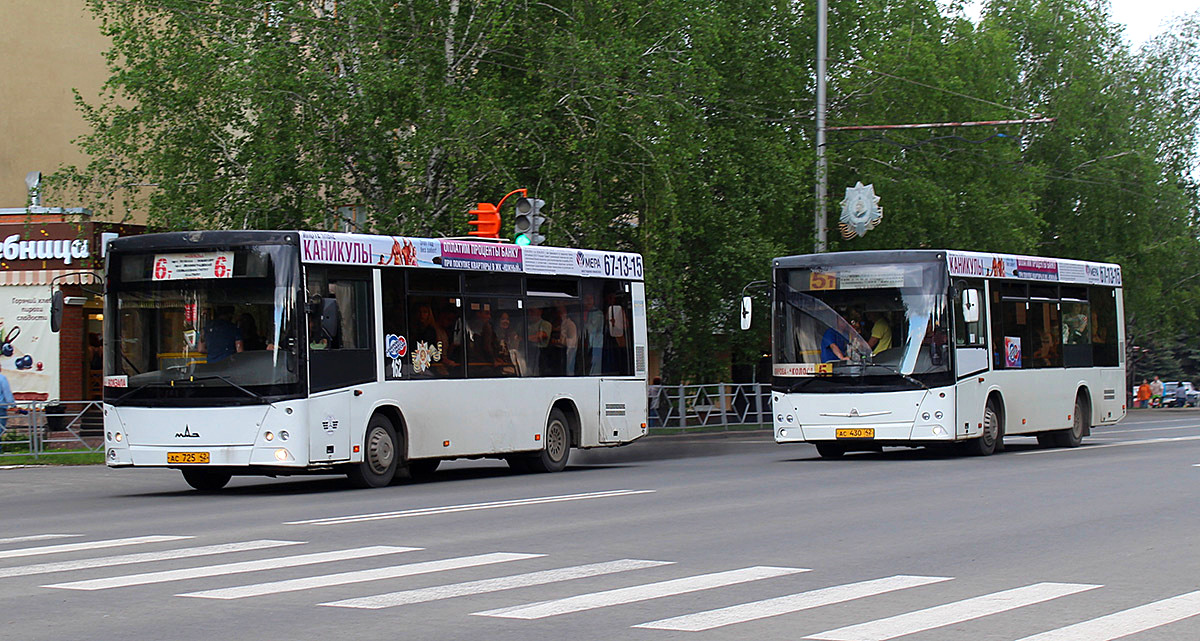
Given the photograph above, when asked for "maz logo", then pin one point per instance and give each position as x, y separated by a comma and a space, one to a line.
187, 433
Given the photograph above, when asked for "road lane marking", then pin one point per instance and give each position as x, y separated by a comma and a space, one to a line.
467, 507
1127, 622
1086, 448
951, 613
745, 612
360, 576
1145, 429
436, 593
230, 568
620, 596
89, 545
38, 537
142, 557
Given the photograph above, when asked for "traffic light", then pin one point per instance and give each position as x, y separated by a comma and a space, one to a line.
529, 220
486, 222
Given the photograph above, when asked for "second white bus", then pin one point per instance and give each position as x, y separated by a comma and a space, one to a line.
929, 347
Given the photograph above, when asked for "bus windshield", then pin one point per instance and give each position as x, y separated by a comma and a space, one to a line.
203, 325
861, 321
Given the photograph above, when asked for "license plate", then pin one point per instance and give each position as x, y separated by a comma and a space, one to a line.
187, 457
855, 432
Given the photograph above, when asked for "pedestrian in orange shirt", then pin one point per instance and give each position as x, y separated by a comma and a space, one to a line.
1143, 394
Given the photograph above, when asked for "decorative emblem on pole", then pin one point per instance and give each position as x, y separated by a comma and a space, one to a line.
860, 211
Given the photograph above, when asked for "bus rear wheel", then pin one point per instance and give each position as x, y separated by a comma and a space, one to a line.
206, 480
557, 441
1073, 436
830, 450
380, 449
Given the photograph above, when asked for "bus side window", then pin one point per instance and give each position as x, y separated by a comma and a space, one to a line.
1104, 326
340, 340
970, 333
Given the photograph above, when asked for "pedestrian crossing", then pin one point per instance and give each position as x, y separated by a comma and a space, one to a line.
397, 577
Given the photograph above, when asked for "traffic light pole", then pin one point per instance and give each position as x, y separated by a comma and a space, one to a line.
822, 165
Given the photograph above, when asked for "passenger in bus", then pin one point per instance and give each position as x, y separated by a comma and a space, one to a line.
430, 333
450, 323
617, 329
538, 339
250, 337
221, 338
881, 332
568, 337
483, 347
593, 332
1046, 354
833, 346
315, 338
510, 343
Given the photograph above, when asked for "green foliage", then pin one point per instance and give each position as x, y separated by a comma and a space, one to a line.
676, 128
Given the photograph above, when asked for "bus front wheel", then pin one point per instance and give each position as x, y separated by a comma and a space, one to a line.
553, 457
206, 480
989, 441
380, 455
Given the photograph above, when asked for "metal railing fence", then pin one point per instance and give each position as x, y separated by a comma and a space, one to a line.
710, 405
38, 428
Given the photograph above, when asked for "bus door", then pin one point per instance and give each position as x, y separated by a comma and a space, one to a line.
341, 358
970, 354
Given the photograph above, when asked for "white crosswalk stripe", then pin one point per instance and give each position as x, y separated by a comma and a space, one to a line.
37, 537
407, 597
89, 545
787, 604
951, 613
637, 593
231, 568
142, 557
468, 507
1127, 622
343, 578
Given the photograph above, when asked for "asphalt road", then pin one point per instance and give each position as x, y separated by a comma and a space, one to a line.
690, 537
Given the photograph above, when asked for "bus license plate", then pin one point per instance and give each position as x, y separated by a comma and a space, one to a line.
187, 457
855, 432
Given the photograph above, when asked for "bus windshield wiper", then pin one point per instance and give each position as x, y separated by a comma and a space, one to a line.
231, 384
895, 370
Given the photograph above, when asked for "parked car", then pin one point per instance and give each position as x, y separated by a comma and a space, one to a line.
1170, 394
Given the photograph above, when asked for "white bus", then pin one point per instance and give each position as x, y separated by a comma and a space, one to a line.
274, 353
926, 347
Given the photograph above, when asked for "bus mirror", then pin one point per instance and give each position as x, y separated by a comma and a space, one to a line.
970, 305
56, 311
330, 319
746, 305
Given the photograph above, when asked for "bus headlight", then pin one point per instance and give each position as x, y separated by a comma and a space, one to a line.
938, 415
112, 455
118, 437
783, 433
283, 435
269, 436
282, 455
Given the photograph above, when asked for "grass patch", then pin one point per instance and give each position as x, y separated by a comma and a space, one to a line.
706, 429
55, 458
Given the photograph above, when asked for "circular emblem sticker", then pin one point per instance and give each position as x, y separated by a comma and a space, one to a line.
391, 346
403, 348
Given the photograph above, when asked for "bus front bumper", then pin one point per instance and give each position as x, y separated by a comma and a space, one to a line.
217, 456
865, 434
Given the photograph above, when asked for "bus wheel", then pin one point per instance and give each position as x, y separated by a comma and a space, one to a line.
379, 456
422, 469
986, 443
830, 450
1073, 436
206, 480
553, 457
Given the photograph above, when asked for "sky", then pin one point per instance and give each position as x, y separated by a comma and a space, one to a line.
1144, 18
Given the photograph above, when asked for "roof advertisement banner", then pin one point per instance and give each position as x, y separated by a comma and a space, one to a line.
1032, 268
402, 251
